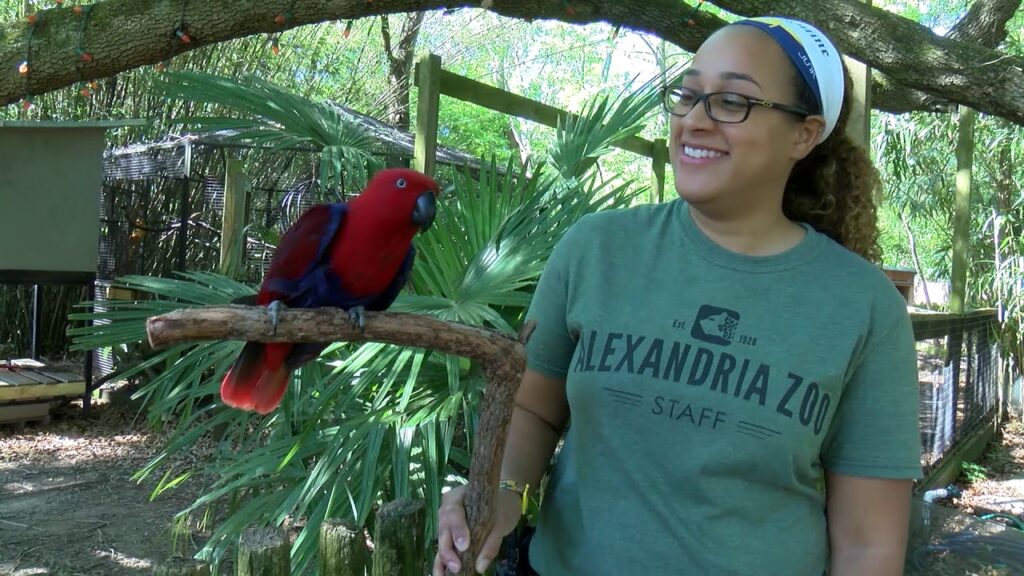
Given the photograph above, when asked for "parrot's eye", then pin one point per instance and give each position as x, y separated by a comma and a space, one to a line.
400, 183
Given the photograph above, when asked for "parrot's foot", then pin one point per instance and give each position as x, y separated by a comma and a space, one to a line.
275, 312
355, 314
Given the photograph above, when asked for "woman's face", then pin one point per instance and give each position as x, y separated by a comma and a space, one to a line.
739, 166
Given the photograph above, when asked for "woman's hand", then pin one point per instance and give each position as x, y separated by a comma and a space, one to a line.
453, 530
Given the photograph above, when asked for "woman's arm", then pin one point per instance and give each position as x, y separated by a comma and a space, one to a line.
868, 524
540, 414
538, 419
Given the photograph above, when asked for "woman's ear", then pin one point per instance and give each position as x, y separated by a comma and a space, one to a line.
806, 136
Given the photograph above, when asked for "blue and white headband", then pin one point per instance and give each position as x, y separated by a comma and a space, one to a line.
815, 56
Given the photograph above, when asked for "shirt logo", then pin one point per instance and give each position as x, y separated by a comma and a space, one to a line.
715, 325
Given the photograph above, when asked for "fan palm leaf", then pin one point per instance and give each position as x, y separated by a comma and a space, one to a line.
270, 116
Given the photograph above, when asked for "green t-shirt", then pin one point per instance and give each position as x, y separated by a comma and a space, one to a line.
708, 391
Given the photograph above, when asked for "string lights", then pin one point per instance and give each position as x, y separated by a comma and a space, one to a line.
274, 39
84, 57
179, 36
25, 66
689, 19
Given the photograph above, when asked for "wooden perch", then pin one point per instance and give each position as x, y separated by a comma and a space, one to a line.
502, 357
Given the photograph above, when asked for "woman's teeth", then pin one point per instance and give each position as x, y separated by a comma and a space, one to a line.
700, 152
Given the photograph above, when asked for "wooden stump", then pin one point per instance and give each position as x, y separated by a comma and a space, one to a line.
263, 552
179, 566
398, 539
343, 550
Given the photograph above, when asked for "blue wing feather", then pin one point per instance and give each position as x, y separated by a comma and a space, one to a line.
319, 286
313, 283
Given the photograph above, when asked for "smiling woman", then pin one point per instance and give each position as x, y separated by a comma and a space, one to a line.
739, 373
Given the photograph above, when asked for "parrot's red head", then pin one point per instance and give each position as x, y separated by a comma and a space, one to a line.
399, 197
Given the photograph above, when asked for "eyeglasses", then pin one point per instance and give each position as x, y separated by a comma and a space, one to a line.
724, 107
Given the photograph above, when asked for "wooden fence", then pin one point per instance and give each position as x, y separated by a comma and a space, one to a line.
398, 548
432, 81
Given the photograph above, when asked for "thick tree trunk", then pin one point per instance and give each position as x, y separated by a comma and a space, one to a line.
125, 34
401, 57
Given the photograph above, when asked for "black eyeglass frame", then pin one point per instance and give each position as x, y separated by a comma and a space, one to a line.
750, 100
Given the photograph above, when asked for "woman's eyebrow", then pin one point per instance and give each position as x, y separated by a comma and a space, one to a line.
726, 76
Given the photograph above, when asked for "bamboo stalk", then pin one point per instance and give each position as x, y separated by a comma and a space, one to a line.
398, 539
343, 550
263, 552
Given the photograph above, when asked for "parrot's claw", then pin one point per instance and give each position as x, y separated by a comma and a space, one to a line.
275, 312
355, 314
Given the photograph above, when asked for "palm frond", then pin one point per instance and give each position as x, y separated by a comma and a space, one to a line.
603, 121
268, 115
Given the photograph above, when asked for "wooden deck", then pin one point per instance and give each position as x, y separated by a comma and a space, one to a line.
27, 389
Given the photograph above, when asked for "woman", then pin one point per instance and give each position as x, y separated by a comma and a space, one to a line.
741, 377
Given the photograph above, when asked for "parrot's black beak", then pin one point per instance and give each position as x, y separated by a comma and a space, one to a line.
426, 208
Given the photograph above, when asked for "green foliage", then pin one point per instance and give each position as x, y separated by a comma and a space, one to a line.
268, 116
472, 129
973, 472
918, 175
917, 157
573, 155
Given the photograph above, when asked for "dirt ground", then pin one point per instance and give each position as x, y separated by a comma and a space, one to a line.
998, 486
68, 505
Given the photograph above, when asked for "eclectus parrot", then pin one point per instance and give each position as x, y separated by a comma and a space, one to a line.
354, 255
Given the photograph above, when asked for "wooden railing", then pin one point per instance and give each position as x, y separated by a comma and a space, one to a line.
432, 81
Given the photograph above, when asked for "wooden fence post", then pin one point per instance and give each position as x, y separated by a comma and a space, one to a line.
962, 209
659, 156
428, 85
181, 566
398, 539
343, 550
263, 552
232, 235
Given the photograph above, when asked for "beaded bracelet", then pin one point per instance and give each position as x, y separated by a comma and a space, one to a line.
518, 488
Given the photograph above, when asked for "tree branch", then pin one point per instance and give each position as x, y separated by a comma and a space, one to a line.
911, 55
385, 34
125, 34
984, 25
985, 22
502, 358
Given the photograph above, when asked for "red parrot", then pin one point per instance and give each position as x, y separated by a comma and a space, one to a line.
355, 255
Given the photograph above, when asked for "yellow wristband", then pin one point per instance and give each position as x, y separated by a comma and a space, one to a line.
521, 489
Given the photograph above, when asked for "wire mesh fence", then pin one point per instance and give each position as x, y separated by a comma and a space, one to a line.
959, 364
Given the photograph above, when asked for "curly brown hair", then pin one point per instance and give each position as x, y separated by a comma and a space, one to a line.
834, 187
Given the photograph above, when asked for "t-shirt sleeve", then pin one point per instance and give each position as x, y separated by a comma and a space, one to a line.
875, 430
552, 344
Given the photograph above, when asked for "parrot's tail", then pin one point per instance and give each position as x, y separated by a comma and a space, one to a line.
258, 378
